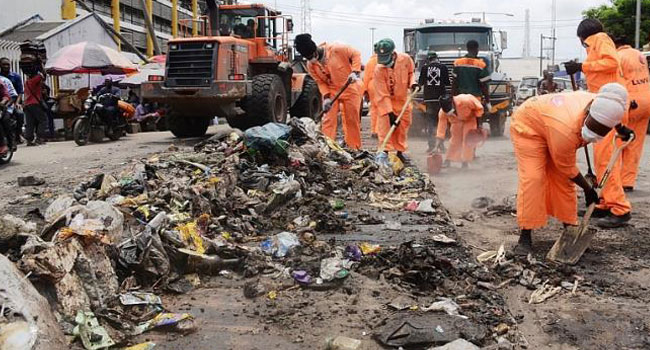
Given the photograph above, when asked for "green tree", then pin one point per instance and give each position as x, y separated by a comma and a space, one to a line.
619, 17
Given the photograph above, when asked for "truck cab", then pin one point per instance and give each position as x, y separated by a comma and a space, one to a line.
448, 39
236, 67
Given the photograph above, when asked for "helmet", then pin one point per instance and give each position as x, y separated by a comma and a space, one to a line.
384, 49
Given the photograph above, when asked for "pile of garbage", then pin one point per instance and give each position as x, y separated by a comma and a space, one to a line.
245, 203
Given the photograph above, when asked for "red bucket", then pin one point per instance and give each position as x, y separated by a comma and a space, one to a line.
476, 137
434, 163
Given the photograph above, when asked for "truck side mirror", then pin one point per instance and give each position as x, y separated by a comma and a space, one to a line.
290, 25
504, 39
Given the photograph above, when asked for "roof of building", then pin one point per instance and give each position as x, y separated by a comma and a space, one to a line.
62, 26
30, 31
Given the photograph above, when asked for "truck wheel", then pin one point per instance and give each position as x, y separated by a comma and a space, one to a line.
187, 126
308, 104
497, 124
267, 103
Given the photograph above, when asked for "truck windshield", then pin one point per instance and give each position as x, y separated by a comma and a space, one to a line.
440, 41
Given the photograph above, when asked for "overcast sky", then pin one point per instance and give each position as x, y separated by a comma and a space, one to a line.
349, 21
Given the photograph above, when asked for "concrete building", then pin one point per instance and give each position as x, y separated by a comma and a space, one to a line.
130, 19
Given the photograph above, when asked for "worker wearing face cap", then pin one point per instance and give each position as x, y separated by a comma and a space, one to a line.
603, 66
546, 131
331, 65
393, 79
461, 111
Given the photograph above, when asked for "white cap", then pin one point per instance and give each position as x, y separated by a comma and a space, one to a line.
609, 105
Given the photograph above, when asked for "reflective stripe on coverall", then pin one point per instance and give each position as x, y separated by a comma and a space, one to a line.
392, 87
635, 72
468, 108
330, 75
370, 89
602, 66
545, 132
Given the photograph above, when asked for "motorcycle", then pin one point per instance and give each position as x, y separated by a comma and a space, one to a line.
8, 127
99, 120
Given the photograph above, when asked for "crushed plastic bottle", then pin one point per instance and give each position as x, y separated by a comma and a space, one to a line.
342, 343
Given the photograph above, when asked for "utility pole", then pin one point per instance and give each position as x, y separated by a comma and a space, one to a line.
372, 40
542, 37
637, 32
527, 34
305, 16
553, 26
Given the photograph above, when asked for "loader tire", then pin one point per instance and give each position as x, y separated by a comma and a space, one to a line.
309, 102
187, 126
266, 103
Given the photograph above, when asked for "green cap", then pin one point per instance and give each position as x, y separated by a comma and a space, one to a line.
384, 50
432, 54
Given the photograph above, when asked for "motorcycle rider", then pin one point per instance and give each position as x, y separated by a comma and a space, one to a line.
111, 108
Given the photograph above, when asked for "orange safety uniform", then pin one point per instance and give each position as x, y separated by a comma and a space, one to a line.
635, 72
331, 74
392, 86
370, 89
468, 108
602, 66
546, 132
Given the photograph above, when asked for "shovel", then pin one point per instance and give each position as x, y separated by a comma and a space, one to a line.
590, 174
575, 240
319, 118
382, 147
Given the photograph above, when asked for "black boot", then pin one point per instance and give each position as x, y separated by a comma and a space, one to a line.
525, 243
628, 189
598, 213
614, 221
404, 158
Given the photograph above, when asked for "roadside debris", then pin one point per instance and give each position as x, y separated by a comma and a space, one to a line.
30, 180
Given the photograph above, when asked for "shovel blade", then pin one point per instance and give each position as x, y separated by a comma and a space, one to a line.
571, 245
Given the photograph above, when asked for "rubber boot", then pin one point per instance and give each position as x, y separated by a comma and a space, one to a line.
614, 221
525, 243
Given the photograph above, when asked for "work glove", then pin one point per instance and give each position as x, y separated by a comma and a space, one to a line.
354, 76
573, 67
393, 119
591, 197
488, 107
414, 87
633, 105
624, 132
327, 105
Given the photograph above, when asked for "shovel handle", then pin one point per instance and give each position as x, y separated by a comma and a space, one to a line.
382, 147
336, 97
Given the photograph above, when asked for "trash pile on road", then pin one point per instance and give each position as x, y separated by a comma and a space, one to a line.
280, 207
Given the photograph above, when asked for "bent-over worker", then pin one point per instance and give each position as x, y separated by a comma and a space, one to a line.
331, 65
635, 72
393, 80
461, 112
546, 131
602, 66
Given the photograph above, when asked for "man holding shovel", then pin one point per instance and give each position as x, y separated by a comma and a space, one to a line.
393, 80
546, 131
603, 66
336, 68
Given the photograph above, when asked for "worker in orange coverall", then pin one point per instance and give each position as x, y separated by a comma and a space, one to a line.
331, 66
461, 111
370, 90
393, 80
637, 78
546, 131
602, 66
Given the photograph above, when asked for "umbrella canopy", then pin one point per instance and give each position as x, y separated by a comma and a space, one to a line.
158, 59
143, 75
88, 57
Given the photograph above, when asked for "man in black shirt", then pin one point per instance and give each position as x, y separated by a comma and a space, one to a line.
434, 80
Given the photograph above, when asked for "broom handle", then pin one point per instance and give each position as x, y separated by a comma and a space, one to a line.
399, 118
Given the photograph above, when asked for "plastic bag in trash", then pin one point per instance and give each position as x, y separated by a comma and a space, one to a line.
281, 244
167, 319
331, 268
271, 137
57, 207
93, 335
140, 298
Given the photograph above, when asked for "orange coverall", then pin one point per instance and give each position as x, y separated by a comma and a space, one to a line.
392, 86
545, 132
635, 72
370, 89
468, 108
330, 75
602, 66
